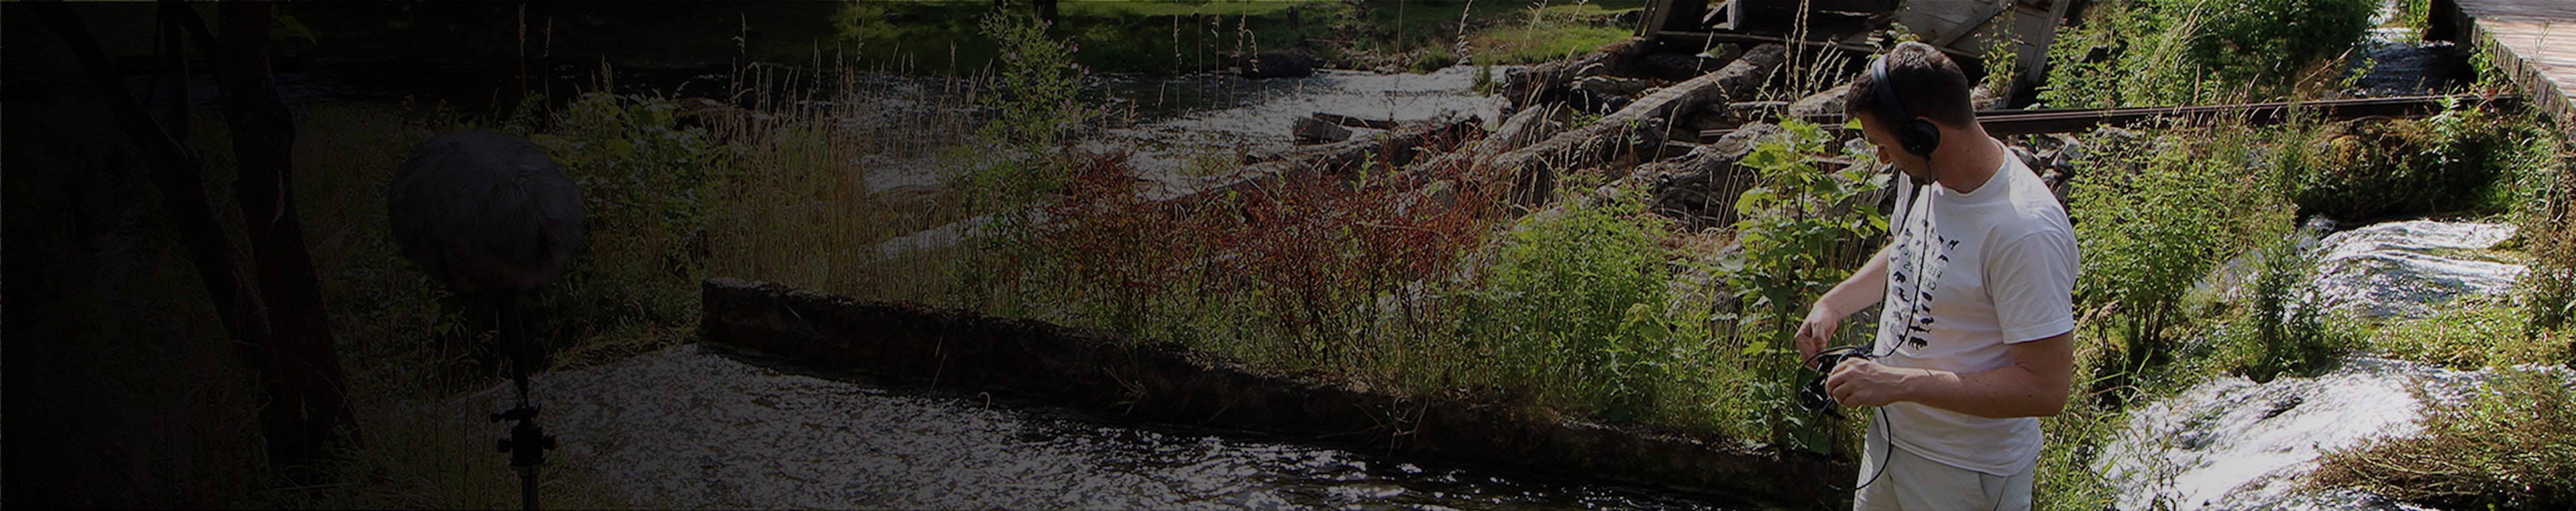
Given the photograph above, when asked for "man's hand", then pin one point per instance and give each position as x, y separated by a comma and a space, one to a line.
1865, 382
1818, 327
2033, 385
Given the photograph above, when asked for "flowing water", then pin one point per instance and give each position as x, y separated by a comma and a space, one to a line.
2232, 443
697, 427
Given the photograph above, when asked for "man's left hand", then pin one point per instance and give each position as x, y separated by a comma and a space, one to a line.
1864, 382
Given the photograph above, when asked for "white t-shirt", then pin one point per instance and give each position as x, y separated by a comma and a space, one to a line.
2001, 262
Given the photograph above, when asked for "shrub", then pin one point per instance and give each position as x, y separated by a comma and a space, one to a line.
2156, 215
1036, 108
646, 188
2367, 170
1801, 229
1570, 306
2166, 52
2283, 332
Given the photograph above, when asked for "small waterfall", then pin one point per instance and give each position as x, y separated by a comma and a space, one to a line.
2232, 443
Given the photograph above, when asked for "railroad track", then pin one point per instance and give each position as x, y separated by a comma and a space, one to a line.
2023, 122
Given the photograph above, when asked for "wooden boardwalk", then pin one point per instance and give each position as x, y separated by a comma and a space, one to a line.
2531, 41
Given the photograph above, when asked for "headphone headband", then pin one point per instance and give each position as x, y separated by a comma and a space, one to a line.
1914, 135
1886, 92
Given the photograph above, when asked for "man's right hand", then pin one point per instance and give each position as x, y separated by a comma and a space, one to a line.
1819, 326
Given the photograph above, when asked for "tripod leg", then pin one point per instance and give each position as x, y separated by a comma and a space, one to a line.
528, 488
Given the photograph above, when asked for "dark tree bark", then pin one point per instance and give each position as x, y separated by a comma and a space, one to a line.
263, 136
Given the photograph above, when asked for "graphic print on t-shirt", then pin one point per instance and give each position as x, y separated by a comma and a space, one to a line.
1913, 273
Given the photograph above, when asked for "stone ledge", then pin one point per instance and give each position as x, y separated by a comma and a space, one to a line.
1156, 380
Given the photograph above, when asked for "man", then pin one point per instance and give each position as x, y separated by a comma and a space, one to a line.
1976, 337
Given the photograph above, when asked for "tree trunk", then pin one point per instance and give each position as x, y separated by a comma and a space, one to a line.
176, 171
263, 135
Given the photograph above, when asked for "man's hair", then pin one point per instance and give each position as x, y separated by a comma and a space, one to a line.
1927, 83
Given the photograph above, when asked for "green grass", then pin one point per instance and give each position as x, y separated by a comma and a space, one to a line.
2171, 52
2508, 444
2471, 334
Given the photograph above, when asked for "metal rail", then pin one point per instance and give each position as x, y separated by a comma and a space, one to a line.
2023, 122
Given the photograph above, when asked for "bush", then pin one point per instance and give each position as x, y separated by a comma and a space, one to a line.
647, 184
2156, 215
2511, 444
2283, 332
2368, 170
2169, 52
1571, 305
1802, 231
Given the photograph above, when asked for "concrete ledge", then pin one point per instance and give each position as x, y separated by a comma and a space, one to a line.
1161, 381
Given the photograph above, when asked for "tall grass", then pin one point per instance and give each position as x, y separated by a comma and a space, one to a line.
2502, 446
2173, 52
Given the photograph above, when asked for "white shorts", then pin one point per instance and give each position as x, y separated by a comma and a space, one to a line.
1912, 482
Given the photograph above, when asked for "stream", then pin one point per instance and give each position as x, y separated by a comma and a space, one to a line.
2234, 444
696, 426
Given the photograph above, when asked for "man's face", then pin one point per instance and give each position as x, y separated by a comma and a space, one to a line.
1876, 131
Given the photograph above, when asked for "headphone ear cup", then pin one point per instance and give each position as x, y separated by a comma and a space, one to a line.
1919, 137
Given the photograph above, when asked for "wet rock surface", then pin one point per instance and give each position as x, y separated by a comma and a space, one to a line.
2232, 443
2405, 269
695, 426
2235, 444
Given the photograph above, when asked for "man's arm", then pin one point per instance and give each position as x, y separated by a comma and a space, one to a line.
1866, 285
2033, 386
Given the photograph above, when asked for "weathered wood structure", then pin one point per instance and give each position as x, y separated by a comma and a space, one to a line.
2532, 42
1966, 29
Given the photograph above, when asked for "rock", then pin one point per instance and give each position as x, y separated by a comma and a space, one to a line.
1543, 83
1612, 85
1677, 66
1527, 127
1310, 131
2404, 269
1699, 188
1826, 103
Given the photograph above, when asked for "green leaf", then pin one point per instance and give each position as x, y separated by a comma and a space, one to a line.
621, 148
1753, 201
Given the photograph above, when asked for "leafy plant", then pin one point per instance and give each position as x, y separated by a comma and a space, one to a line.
1035, 96
2283, 332
2156, 215
1794, 227
1571, 306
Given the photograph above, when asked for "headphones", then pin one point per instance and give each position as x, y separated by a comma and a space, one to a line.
1914, 134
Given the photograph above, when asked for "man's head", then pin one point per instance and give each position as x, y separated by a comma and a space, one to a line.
1906, 100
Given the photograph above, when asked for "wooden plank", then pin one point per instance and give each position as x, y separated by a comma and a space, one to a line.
2534, 43
1711, 39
